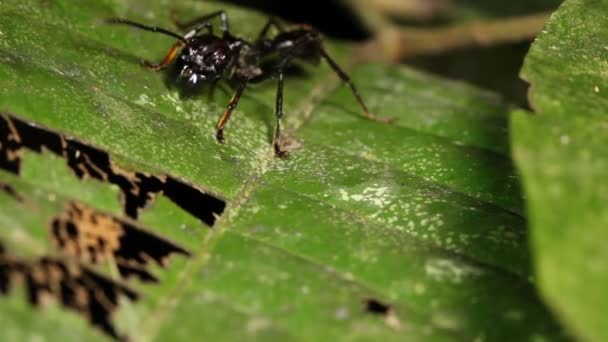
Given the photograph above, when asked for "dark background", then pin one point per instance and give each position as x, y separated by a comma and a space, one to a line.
331, 17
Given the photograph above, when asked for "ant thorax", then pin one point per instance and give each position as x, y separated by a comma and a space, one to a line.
246, 65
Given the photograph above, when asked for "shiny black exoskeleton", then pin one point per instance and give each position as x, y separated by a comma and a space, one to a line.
206, 57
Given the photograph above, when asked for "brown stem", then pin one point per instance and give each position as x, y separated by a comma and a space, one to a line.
396, 44
378, 14
413, 9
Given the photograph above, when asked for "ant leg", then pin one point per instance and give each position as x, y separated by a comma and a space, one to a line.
272, 21
219, 128
156, 29
167, 60
279, 114
206, 18
172, 52
344, 77
206, 25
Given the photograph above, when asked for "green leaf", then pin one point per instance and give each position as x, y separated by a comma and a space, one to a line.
423, 216
561, 154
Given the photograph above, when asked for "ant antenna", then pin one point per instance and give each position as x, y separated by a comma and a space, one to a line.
122, 21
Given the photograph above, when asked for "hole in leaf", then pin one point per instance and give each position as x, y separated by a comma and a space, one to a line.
138, 188
74, 286
95, 237
376, 307
201, 205
9, 190
9, 146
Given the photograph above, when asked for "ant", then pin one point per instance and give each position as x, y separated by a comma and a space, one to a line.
206, 57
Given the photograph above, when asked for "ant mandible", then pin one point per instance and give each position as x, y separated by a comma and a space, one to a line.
206, 57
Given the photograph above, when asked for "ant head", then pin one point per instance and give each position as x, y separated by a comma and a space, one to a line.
204, 58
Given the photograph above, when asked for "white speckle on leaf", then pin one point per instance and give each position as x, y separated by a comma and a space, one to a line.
446, 321
257, 324
419, 288
341, 313
564, 139
150, 15
144, 100
376, 196
596, 89
344, 195
357, 198
265, 279
450, 270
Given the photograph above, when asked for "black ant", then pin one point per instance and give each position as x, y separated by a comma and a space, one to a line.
206, 57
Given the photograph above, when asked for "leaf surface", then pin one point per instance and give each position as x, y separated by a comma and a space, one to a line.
423, 216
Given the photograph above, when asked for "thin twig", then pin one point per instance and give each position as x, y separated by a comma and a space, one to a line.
412, 9
396, 44
378, 14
